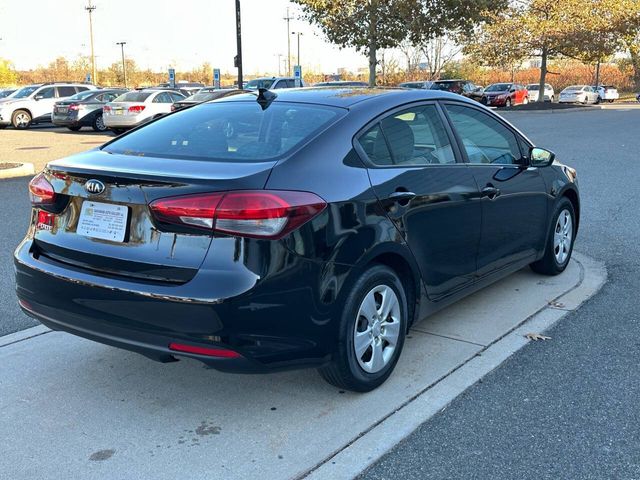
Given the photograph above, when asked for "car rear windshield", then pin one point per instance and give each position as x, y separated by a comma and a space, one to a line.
82, 95
133, 97
574, 88
228, 131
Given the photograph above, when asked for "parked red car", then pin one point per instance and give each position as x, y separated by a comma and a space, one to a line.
505, 95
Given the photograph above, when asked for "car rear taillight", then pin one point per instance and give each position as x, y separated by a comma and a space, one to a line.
257, 213
41, 191
106, 109
74, 106
136, 108
173, 107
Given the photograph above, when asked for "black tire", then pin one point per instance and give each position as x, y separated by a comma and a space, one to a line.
2, 127
548, 264
598, 100
21, 119
117, 131
344, 371
74, 129
98, 124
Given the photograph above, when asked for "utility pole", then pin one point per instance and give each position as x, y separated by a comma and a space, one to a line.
298, 34
124, 65
279, 55
239, 44
288, 19
90, 8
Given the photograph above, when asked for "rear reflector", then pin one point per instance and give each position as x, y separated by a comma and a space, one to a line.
268, 214
136, 108
45, 220
210, 352
41, 191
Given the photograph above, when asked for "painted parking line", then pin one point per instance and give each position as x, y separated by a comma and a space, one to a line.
85, 410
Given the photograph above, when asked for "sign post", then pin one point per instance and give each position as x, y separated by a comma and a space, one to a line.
216, 78
172, 77
297, 75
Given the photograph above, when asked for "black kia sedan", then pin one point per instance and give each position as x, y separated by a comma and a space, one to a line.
315, 238
84, 109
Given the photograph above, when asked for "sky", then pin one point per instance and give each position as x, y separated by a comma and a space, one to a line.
161, 34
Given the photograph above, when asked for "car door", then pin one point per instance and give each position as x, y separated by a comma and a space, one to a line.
514, 202
430, 195
44, 100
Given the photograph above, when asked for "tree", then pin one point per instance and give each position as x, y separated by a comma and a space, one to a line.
438, 52
370, 25
588, 30
8, 75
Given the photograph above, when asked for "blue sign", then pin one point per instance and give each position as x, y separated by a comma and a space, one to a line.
172, 77
297, 75
87, 78
216, 77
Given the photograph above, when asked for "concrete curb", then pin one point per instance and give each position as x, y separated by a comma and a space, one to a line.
25, 169
23, 335
364, 451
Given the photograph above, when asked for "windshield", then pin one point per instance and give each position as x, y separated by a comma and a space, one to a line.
259, 83
25, 92
498, 87
533, 87
201, 97
574, 88
133, 97
81, 95
228, 131
6, 93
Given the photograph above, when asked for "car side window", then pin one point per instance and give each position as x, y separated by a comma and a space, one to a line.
175, 97
411, 137
66, 91
485, 139
162, 98
81, 89
48, 92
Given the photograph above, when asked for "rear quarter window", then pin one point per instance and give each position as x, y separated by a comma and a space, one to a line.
229, 131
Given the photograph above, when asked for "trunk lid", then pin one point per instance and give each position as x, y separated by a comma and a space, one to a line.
143, 251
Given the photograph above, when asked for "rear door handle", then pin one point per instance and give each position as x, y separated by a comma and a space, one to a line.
402, 196
491, 192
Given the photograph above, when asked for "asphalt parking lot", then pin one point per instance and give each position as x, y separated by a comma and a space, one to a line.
565, 405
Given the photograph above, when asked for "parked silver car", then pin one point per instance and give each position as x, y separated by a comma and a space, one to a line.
137, 107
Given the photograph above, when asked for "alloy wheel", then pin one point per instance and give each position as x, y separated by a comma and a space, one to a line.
22, 120
100, 123
377, 329
562, 237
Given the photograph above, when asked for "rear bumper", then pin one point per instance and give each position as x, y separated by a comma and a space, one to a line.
275, 322
124, 121
72, 121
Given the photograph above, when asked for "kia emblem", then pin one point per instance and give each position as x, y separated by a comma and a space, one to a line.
95, 187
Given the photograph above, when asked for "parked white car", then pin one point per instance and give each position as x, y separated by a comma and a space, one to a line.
137, 107
273, 83
34, 103
608, 93
549, 94
579, 94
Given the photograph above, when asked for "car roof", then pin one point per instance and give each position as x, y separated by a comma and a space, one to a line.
346, 97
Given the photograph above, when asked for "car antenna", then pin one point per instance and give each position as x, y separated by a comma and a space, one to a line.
265, 97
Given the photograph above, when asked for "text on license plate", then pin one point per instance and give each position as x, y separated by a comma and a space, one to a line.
103, 220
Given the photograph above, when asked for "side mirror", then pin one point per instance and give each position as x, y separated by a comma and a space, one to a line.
512, 90
539, 157
38, 97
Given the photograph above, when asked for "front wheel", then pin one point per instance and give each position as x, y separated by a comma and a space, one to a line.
560, 239
21, 119
98, 124
74, 129
371, 332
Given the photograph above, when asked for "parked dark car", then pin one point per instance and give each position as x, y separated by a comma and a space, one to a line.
505, 95
84, 109
425, 85
314, 239
204, 95
466, 88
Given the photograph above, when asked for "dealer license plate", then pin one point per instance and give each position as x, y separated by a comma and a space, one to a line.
103, 220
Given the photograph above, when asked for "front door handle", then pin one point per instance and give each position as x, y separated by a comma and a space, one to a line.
402, 196
490, 191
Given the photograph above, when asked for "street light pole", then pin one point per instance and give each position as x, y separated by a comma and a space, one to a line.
288, 19
124, 65
90, 8
239, 44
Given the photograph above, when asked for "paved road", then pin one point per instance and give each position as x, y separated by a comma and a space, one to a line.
568, 407
14, 218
